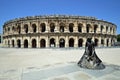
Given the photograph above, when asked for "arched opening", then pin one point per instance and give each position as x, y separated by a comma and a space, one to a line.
18, 43
95, 28
88, 28
34, 43
102, 28
107, 42
52, 42
25, 43
71, 42
96, 42
34, 27
62, 27
106, 29
13, 44
26, 28
102, 42
71, 27
43, 27
13, 28
80, 27
8, 43
52, 27
62, 43
80, 42
19, 29
42, 43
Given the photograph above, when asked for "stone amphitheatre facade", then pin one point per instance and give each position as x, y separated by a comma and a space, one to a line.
57, 31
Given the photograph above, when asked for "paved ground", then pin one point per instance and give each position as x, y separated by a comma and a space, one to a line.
56, 64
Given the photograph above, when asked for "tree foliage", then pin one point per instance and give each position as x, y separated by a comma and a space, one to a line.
118, 37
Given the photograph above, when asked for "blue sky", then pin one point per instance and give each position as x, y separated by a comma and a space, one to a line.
108, 10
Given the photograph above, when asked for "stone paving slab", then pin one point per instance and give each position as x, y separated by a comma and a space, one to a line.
73, 72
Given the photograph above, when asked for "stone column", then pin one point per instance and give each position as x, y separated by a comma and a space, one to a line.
56, 27
84, 41
29, 43
75, 28
76, 42
66, 28
37, 39
57, 41
47, 42
99, 43
66, 42
47, 27
84, 28
105, 40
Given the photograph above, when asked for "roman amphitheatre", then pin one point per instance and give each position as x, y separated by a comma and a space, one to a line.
49, 47
57, 31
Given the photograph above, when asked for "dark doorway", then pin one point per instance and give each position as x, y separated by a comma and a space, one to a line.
95, 28
52, 42
43, 27
96, 42
42, 43
79, 27
62, 43
34, 28
71, 27
80, 42
26, 28
88, 28
26, 43
107, 42
18, 43
71, 42
19, 29
52, 27
33, 43
13, 44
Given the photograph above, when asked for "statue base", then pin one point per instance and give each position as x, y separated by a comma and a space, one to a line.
91, 62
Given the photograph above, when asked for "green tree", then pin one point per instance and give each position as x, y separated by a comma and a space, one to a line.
118, 37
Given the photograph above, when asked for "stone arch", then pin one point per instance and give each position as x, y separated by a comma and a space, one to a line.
101, 28
102, 42
19, 29
71, 25
95, 28
52, 27
43, 27
61, 43
88, 26
80, 42
42, 43
18, 43
26, 28
71, 42
52, 42
96, 42
34, 45
8, 43
13, 43
107, 42
62, 26
34, 28
25, 43
80, 27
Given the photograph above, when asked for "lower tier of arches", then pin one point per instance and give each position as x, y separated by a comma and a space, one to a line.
55, 41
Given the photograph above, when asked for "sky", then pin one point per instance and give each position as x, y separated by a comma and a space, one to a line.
108, 10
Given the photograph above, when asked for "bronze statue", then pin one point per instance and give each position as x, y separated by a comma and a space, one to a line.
90, 60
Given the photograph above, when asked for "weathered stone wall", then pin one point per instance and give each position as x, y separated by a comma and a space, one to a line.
57, 31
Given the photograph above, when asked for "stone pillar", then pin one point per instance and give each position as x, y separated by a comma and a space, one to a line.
22, 43
37, 27
47, 27
29, 43
57, 41
99, 43
66, 42
105, 42
47, 42
56, 27
75, 28
37, 43
84, 28
76, 42
84, 41
66, 28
